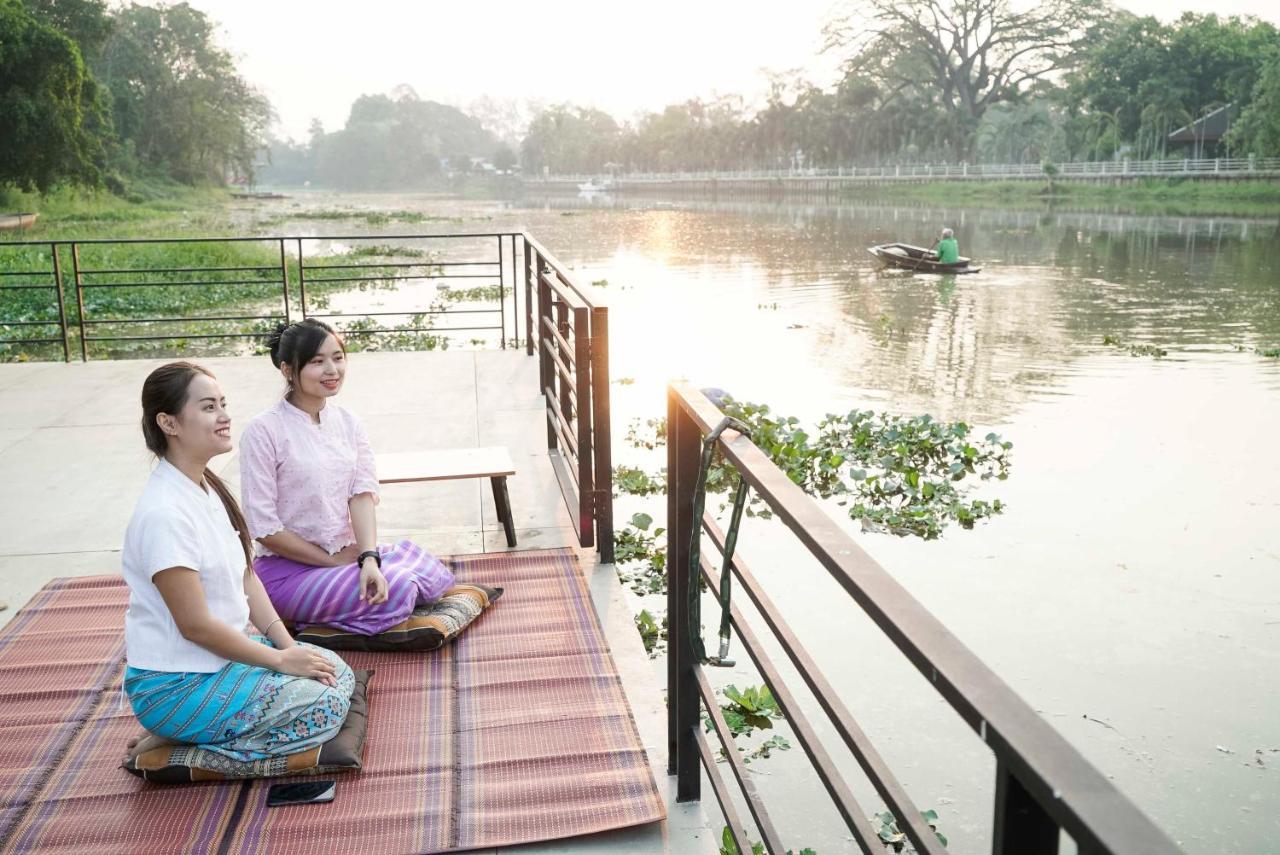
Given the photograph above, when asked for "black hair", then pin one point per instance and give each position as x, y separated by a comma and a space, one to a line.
296, 343
165, 391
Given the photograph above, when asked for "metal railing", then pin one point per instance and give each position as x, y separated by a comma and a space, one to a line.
25, 282
1123, 168
1043, 785
569, 326
265, 285
571, 330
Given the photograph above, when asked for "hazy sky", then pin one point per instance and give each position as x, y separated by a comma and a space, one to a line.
313, 58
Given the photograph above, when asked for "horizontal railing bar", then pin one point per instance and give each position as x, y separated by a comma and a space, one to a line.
877, 771
561, 423
184, 320
772, 842
566, 296
718, 786
398, 264
275, 269
846, 803
566, 374
87, 285
1080, 798
262, 239
592, 297
8, 341
565, 347
25, 287
394, 314
416, 329
171, 337
311, 279
26, 273
30, 323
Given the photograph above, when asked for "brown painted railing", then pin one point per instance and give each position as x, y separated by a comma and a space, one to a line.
1043, 785
568, 324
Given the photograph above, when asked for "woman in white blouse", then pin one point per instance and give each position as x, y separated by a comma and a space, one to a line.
309, 487
193, 674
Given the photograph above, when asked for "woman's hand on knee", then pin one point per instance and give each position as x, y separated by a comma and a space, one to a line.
302, 661
373, 585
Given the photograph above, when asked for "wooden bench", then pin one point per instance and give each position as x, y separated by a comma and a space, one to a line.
493, 463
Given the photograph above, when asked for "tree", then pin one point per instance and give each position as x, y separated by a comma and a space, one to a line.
48, 102
177, 97
565, 139
968, 55
1151, 78
86, 22
1257, 131
504, 158
396, 143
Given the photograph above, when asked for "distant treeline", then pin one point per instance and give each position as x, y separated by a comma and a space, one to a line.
969, 80
94, 94
388, 143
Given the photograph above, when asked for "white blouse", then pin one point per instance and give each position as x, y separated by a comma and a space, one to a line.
179, 524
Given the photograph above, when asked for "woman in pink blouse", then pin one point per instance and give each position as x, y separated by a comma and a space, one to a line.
309, 490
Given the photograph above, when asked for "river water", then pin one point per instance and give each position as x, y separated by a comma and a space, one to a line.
1131, 591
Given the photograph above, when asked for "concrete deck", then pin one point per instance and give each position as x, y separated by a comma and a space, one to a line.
73, 463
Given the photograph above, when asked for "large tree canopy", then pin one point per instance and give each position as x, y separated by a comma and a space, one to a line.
965, 55
565, 138
177, 97
48, 105
397, 143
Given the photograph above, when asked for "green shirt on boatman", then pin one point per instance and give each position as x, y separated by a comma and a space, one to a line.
947, 248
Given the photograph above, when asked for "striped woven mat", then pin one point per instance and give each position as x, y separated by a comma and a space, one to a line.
517, 732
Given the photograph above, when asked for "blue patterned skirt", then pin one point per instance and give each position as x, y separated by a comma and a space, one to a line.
242, 712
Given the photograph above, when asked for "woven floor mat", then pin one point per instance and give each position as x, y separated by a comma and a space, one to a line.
517, 732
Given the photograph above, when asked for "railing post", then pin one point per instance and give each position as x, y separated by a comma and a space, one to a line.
546, 371
502, 298
284, 282
584, 412
602, 434
62, 303
567, 404
1022, 827
515, 295
75, 270
528, 298
684, 441
302, 282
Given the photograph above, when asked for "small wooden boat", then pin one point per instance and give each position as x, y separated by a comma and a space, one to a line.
18, 221
917, 258
244, 194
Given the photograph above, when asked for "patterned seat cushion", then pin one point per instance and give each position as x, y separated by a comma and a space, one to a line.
428, 628
164, 762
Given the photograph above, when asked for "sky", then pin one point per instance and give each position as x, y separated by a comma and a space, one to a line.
312, 58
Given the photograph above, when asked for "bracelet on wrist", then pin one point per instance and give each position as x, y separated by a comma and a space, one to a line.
369, 553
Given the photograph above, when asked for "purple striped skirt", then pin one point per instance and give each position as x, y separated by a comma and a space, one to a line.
331, 595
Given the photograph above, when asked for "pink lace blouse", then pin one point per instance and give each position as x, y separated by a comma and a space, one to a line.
296, 475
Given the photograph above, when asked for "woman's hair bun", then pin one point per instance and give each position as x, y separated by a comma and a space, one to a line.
273, 342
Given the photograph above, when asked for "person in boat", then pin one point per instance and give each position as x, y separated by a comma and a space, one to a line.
947, 248
194, 675
309, 488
